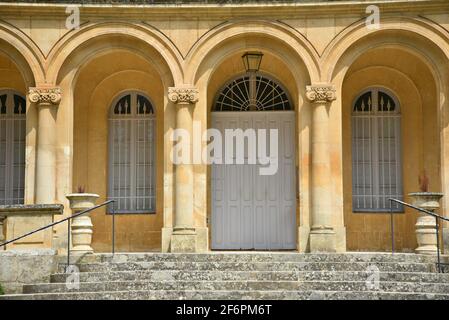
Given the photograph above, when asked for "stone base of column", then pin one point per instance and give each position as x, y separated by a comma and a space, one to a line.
303, 239
202, 239
183, 241
166, 239
323, 240
340, 238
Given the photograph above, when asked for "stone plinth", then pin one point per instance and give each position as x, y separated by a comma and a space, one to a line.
82, 227
21, 219
21, 267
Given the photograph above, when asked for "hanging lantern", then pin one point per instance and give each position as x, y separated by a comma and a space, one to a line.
252, 61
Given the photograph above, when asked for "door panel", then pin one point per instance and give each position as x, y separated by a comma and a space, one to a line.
249, 210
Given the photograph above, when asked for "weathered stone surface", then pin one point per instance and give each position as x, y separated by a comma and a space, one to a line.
231, 295
19, 267
245, 276
22, 219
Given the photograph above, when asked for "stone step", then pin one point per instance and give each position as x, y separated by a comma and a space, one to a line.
442, 288
230, 295
174, 275
257, 257
255, 266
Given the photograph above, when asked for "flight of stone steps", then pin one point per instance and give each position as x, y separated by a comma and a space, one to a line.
246, 275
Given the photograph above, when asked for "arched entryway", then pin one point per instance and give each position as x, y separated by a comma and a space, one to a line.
252, 209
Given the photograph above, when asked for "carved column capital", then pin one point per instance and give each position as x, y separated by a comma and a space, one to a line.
45, 95
321, 93
183, 95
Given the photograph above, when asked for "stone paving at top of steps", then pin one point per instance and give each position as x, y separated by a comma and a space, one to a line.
248, 266
385, 286
230, 295
174, 275
256, 257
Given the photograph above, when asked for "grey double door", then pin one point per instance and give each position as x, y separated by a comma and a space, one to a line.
250, 210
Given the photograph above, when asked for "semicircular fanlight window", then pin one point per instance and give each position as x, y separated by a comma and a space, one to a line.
252, 94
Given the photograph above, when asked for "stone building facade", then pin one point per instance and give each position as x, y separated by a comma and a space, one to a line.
365, 113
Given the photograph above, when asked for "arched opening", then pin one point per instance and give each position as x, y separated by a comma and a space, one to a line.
398, 145
287, 57
117, 95
250, 209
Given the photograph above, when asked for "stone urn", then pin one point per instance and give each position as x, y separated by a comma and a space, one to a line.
426, 224
82, 227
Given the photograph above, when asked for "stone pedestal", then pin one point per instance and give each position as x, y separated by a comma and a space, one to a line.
426, 224
323, 240
22, 219
183, 241
82, 227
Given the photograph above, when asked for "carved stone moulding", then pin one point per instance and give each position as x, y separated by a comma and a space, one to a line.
45, 95
183, 95
321, 93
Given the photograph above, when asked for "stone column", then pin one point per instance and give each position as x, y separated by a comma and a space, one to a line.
46, 100
322, 234
184, 235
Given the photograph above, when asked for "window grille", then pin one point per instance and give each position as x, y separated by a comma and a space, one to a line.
12, 147
132, 154
252, 93
376, 152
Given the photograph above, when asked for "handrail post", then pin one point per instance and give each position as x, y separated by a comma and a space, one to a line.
68, 244
113, 228
438, 244
392, 226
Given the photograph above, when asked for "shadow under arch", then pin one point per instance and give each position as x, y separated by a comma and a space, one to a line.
78, 47
23, 52
237, 36
418, 38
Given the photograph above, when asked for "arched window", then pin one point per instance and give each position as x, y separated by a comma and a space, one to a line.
376, 151
12, 147
132, 153
252, 93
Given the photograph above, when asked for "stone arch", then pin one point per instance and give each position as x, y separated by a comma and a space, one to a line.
419, 35
417, 38
76, 48
283, 46
24, 52
284, 42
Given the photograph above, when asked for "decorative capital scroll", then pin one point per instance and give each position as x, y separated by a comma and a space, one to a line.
321, 93
44, 95
183, 95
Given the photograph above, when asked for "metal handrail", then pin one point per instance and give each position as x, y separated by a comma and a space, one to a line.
430, 213
68, 219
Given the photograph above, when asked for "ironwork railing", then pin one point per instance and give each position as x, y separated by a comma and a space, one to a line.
437, 227
69, 219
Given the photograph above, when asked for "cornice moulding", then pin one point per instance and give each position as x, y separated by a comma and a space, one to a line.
224, 11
